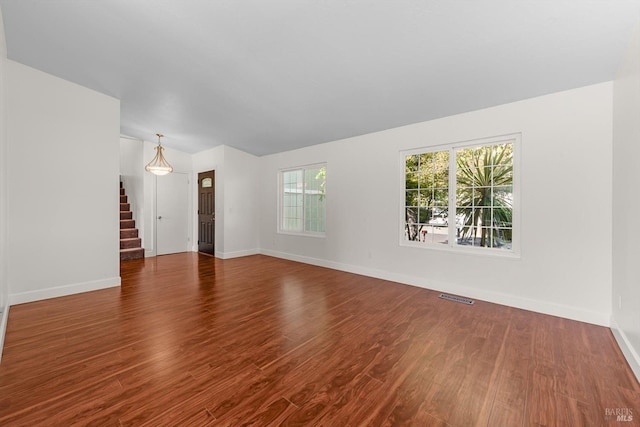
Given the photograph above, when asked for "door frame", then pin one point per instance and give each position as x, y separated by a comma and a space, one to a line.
196, 205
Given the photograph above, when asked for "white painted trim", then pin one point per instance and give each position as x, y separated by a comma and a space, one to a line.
60, 291
633, 359
3, 327
545, 307
237, 254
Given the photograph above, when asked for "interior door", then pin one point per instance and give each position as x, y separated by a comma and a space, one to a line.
206, 212
172, 213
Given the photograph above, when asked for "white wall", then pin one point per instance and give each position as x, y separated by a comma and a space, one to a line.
63, 221
241, 207
565, 264
4, 287
626, 205
236, 190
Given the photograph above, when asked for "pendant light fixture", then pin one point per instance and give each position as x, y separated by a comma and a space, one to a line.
159, 165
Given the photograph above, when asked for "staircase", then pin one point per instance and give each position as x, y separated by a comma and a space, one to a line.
130, 243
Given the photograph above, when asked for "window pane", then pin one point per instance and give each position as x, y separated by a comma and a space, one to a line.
464, 196
484, 194
314, 180
291, 207
411, 198
412, 163
425, 179
503, 238
441, 178
503, 196
489, 237
411, 180
435, 234
426, 197
314, 213
424, 214
411, 215
467, 235
483, 237
440, 198
412, 231
314, 199
502, 217
426, 209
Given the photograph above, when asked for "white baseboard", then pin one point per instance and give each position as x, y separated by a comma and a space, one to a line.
627, 349
545, 307
60, 291
237, 254
3, 327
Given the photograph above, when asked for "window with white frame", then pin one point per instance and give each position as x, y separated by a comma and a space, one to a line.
302, 200
462, 196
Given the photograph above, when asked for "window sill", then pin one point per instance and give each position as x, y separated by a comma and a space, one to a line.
302, 234
483, 252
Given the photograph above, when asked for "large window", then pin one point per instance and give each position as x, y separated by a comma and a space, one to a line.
302, 200
462, 196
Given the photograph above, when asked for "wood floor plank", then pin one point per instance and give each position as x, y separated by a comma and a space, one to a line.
192, 340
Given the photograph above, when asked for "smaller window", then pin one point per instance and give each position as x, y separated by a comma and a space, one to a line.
207, 183
302, 200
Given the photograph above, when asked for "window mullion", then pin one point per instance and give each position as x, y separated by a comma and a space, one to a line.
452, 197
304, 210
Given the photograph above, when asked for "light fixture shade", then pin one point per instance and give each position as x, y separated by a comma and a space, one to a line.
159, 165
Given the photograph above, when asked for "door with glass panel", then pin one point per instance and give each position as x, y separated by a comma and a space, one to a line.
206, 212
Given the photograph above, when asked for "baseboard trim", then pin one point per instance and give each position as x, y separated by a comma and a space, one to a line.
544, 307
61, 291
3, 327
633, 359
237, 254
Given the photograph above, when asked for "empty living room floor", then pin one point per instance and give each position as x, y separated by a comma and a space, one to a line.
193, 340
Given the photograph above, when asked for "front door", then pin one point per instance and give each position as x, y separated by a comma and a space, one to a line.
206, 211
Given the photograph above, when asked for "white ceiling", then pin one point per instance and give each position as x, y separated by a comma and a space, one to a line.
269, 76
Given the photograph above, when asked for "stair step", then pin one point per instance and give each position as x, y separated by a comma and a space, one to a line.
127, 233
132, 242
133, 253
127, 223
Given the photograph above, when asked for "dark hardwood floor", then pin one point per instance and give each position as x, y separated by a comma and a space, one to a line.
190, 340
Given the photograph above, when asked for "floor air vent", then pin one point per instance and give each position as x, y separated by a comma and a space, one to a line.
457, 299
